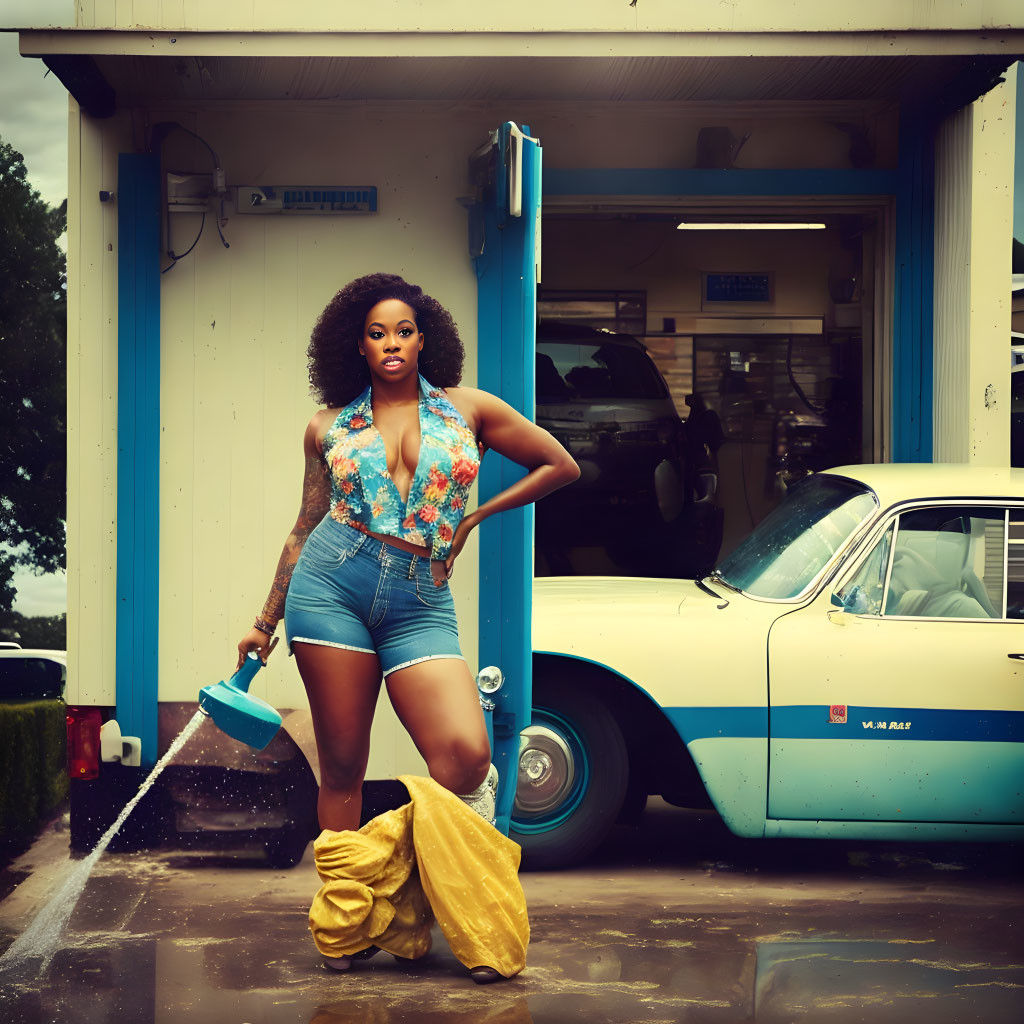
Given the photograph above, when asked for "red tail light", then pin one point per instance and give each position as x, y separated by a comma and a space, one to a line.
84, 742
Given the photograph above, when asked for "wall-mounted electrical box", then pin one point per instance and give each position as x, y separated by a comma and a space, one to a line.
189, 193
306, 199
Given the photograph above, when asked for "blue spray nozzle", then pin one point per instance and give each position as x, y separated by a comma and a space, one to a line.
236, 711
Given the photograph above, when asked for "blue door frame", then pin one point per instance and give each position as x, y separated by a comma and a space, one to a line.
138, 447
505, 251
911, 188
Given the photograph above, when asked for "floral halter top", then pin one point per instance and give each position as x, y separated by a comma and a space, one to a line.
364, 496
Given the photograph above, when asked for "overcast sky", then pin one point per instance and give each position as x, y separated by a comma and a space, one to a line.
34, 120
33, 105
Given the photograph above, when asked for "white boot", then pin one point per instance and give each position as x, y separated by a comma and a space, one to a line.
483, 797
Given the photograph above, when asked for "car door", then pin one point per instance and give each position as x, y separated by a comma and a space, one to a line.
898, 693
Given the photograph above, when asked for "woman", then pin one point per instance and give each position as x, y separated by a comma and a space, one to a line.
363, 577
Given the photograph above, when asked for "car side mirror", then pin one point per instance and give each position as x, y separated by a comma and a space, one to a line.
839, 612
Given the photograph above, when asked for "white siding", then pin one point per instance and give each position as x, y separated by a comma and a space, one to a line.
92, 406
952, 285
974, 216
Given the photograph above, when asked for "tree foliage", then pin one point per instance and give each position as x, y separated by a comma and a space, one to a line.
33, 390
45, 631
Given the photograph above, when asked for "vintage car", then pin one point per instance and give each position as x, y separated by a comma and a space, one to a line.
854, 668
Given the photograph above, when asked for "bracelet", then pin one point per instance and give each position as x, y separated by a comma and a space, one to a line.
263, 627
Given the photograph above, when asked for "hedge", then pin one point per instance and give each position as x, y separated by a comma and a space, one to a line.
33, 764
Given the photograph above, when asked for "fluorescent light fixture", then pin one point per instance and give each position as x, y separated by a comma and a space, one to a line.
747, 226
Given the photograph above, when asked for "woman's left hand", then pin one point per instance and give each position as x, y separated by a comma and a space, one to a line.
459, 542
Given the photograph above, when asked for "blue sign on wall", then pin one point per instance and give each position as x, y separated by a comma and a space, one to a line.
738, 287
307, 199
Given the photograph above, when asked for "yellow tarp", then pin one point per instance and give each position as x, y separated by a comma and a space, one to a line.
384, 884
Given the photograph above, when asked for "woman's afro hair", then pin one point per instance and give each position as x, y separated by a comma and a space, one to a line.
338, 373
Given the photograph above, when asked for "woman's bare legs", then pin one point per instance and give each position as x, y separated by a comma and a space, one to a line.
438, 703
342, 687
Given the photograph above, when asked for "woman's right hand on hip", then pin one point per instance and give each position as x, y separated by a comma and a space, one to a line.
255, 640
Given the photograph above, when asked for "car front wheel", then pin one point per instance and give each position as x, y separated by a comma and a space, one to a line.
573, 771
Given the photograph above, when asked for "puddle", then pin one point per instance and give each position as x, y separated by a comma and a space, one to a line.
931, 967
170, 938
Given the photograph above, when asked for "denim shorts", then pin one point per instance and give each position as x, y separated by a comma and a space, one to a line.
352, 591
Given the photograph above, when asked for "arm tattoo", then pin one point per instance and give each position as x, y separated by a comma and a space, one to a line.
316, 500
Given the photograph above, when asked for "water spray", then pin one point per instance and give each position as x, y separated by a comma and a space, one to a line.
234, 710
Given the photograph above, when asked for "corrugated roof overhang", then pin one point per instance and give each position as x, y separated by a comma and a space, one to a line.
944, 70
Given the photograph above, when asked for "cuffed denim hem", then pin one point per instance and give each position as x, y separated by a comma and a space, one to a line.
429, 657
326, 643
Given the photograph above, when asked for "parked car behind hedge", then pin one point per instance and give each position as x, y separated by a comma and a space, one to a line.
32, 674
33, 739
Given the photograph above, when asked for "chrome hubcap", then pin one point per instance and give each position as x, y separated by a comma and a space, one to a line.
546, 771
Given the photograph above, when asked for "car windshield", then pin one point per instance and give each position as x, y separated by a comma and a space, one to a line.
582, 370
796, 540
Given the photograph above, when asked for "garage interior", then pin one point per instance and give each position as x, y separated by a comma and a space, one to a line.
766, 331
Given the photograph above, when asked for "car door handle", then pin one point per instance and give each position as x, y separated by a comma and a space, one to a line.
1016, 657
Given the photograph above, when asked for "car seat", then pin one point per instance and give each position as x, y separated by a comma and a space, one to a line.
928, 572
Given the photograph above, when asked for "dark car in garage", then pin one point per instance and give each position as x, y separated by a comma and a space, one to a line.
600, 393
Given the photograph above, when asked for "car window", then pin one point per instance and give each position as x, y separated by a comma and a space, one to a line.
584, 371
798, 538
863, 594
948, 563
30, 679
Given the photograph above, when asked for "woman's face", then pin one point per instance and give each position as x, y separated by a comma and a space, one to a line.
391, 341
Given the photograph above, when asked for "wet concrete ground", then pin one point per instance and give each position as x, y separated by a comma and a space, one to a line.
675, 920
